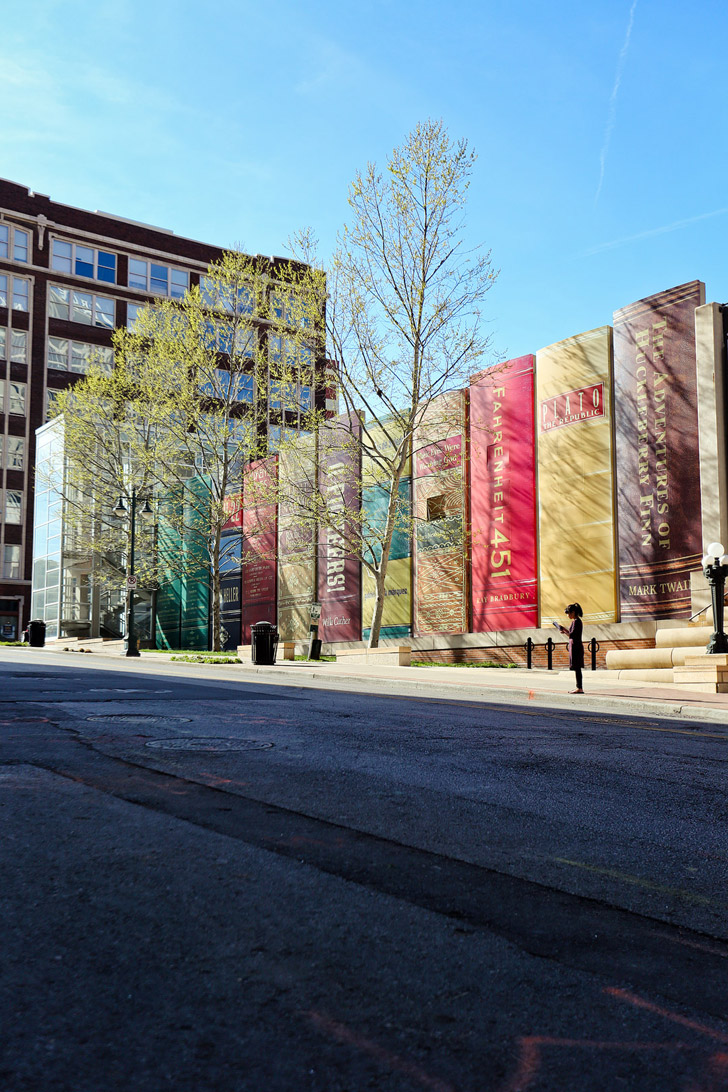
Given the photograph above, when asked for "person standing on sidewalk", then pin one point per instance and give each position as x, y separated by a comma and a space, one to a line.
576, 645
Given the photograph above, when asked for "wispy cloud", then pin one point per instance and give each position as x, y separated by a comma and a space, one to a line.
675, 226
612, 115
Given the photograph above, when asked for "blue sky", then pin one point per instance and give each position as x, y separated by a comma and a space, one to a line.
601, 175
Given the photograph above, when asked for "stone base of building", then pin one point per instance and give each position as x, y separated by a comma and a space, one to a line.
393, 655
509, 646
707, 674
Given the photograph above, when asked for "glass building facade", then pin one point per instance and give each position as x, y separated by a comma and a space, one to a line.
48, 528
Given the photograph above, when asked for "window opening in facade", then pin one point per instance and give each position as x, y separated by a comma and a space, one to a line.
161, 279
83, 261
65, 355
16, 453
14, 292
219, 297
86, 307
13, 506
15, 397
14, 243
11, 563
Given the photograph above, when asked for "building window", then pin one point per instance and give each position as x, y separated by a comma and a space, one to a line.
83, 261
161, 279
92, 310
14, 243
237, 387
225, 298
51, 403
278, 435
14, 293
16, 453
19, 346
65, 355
286, 351
282, 396
286, 307
132, 313
11, 563
16, 400
13, 506
17, 343
219, 336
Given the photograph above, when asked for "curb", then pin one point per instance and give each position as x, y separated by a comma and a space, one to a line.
629, 705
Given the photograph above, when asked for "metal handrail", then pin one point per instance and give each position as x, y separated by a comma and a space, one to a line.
703, 609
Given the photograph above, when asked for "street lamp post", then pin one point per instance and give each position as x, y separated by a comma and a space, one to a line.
715, 567
121, 510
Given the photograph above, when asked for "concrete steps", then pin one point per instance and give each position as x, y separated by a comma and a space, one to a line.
678, 658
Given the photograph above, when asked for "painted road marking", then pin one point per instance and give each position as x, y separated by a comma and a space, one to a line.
641, 1003
343, 1034
637, 881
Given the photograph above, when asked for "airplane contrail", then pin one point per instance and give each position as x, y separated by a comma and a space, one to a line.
612, 116
674, 226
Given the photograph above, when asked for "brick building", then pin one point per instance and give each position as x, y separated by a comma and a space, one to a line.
67, 278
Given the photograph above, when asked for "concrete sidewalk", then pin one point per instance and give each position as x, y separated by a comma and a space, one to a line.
604, 691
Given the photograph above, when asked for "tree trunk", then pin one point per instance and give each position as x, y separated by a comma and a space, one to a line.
381, 573
216, 596
376, 624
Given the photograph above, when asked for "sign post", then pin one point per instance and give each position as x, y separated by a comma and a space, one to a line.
314, 644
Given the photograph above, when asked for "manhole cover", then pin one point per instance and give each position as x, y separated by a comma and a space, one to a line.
208, 744
138, 718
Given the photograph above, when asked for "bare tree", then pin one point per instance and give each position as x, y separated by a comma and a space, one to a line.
401, 307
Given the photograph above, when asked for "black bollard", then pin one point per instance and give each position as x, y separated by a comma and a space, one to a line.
529, 653
550, 654
594, 648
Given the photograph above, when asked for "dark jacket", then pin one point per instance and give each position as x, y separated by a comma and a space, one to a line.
576, 648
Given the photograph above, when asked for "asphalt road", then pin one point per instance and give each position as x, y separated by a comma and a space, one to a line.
232, 885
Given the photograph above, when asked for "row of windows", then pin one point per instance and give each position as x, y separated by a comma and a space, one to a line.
14, 345
14, 452
14, 243
86, 307
65, 355
12, 397
11, 563
241, 301
220, 336
162, 279
101, 265
84, 261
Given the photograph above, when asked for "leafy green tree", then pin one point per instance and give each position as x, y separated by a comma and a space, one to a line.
185, 407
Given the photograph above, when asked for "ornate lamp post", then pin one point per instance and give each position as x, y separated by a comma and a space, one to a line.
146, 513
715, 567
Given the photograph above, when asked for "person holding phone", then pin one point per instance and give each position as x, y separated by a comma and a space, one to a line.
576, 645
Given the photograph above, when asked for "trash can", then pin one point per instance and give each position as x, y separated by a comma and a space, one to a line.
264, 642
36, 632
